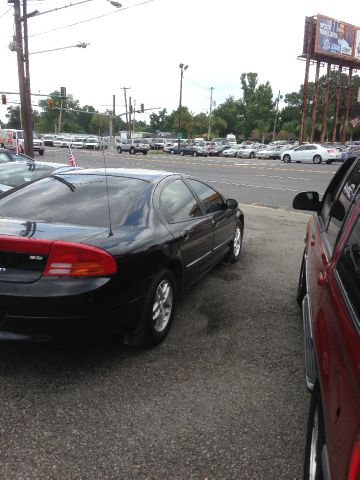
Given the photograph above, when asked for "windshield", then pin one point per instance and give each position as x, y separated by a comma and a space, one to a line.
77, 199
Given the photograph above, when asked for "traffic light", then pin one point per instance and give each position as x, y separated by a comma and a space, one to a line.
142, 107
130, 109
50, 102
3, 99
63, 92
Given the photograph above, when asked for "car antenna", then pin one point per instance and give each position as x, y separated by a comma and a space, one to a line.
106, 179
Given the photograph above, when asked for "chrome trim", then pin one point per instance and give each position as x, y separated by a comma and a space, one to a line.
198, 259
223, 243
325, 463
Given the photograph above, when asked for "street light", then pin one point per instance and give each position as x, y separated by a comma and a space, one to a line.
182, 69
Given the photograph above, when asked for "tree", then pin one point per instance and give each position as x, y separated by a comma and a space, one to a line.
231, 111
13, 116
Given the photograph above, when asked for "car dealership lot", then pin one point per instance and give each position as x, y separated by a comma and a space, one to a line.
222, 398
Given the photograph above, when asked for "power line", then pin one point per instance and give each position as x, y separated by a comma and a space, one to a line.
91, 19
7, 11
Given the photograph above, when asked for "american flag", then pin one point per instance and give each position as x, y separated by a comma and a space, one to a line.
355, 121
71, 158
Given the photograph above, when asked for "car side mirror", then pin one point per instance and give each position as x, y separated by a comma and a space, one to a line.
231, 203
307, 201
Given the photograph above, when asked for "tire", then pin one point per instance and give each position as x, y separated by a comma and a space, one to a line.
301, 290
41, 152
317, 159
194, 154
252, 155
287, 158
119, 149
172, 152
132, 151
145, 152
235, 247
182, 153
158, 311
328, 162
315, 438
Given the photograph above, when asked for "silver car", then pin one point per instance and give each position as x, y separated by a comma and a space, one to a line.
133, 145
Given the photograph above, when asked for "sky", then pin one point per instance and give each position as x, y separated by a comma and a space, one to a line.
142, 44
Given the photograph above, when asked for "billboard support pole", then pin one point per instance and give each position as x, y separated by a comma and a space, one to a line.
315, 102
326, 104
337, 104
306, 84
347, 107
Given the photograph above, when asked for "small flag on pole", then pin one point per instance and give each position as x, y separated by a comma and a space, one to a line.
71, 158
355, 121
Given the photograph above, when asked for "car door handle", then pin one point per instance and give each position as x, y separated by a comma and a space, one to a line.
185, 234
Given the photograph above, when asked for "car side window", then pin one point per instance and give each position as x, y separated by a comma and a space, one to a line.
332, 191
348, 268
177, 203
212, 200
342, 204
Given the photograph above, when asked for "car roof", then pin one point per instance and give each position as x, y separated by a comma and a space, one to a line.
139, 173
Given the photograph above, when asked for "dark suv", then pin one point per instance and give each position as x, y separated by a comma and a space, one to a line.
329, 292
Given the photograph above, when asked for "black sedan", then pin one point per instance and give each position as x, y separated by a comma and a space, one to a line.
89, 253
193, 150
10, 156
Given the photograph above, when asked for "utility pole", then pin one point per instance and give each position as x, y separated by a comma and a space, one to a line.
126, 108
22, 51
276, 114
130, 117
134, 115
210, 111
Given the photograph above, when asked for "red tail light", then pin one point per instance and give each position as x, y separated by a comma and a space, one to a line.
330, 150
74, 260
354, 468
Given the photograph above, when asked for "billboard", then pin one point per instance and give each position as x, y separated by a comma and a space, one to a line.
336, 38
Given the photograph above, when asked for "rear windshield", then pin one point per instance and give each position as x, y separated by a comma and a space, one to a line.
79, 200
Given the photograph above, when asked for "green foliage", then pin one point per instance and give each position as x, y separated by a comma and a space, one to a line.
13, 116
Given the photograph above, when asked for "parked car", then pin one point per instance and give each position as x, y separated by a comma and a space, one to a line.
329, 292
218, 150
133, 145
78, 142
58, 141
279, 150
311, 152
265, 153
67, 141
11, 138
232, 151
172, 149
13, 174
250, 150
48, 140
193, 150
118, 266
11, 156
92, 142
350, 151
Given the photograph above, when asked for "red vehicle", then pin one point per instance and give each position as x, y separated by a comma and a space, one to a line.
329, 292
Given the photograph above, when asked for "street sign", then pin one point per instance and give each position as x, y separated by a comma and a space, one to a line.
179, 135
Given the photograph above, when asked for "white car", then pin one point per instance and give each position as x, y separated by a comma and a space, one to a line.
78, 142
250, 151
312, 152
233, 151
265, 153
58, 141
92, 142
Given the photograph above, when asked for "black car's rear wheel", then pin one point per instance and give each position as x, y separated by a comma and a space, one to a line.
158, 311
315, 439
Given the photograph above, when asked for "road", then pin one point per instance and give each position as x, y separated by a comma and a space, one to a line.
223, 398
250, 181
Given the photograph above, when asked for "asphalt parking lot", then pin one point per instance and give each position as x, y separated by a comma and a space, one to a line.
222, 398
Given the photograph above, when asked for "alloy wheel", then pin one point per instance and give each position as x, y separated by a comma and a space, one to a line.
162, 306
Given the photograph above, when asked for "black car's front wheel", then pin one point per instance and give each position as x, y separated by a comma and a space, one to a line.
158, 311
315, 439
236, 244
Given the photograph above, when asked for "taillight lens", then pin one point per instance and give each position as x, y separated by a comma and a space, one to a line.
330, 150
354, 468
76, 260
